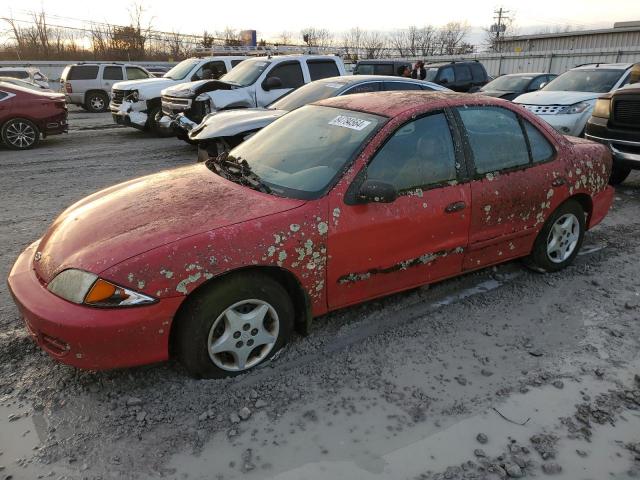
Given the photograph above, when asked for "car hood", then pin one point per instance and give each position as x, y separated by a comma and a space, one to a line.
544, 97
128, 219
229, 123
147, 88
192, 89
496, 93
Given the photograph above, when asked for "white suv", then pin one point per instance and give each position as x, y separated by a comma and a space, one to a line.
89, 84
137, 104
566, 102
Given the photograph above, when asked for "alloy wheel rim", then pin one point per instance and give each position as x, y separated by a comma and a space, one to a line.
563, 238
20, 134
243, 335
97, 103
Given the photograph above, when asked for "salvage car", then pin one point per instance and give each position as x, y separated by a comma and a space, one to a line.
616, 123
567, 102
382, 67
221, 131
336, 203
460, 76
29, 74
27, 115
510, 86
254, 83
137, 103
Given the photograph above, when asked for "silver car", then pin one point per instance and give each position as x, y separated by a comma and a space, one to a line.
221, 131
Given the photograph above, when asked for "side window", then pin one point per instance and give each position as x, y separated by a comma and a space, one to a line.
20, 74
322, 69
463, 73
88, 72
477, 72
113, 73
383, 69
536, 82
420, 153
446, 74
290, 74
3, 95
211, 71
364, 88
495, 137
401, 86
235, 62
134, 73
541, 149
365, 69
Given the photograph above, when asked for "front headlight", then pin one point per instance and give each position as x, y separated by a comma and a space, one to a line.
206, 102
602, 108
576, 108
133, 96
85, 288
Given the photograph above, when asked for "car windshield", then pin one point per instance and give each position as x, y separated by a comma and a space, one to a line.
431, 74
596, 80
182, 69
247, 72
507, 83
302, 153
309, 93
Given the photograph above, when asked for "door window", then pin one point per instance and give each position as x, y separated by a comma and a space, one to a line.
383, 69
364, 69
210, 71
495, 138
418, 154
541, 149
112, 73
364, 88
463, 74
446, 74
322, 69
290, 74
402, 86
477, 72
134, 73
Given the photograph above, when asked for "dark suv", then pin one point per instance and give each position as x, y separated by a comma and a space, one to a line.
616, 123
381, 67
458, 76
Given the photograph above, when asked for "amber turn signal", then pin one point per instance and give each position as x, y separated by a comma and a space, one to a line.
102, 291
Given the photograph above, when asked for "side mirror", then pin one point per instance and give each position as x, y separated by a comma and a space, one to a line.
542, 85
271, 83
376, 192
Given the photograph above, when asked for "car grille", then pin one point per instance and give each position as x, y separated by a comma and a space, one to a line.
117, 97
171, 105
626, 112
544, 109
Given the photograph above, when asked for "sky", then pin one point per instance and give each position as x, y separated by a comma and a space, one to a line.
271, 18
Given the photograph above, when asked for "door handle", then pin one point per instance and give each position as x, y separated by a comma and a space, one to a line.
558, 182
455, 207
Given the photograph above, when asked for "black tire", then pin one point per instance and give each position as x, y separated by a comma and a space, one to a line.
618, 175
154, 115
20, 134
540, 260
194, 331
96, 102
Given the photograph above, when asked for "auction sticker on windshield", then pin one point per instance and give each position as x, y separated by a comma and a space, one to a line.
349, 122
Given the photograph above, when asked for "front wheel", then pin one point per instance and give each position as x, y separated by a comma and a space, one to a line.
559, 240
233, 325
20, 134
618, 175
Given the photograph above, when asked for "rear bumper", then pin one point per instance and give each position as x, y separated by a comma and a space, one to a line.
85, 337
602, 202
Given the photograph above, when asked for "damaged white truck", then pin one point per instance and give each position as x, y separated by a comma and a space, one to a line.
137, 103
256, 82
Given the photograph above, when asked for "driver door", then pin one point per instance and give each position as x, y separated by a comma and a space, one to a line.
290, 76
380, 248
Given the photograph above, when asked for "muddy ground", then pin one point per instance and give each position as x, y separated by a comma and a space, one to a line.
502, 373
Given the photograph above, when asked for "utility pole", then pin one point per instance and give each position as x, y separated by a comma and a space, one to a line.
499, 27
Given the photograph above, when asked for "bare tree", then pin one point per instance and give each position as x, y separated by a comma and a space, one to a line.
317, 37
451, 37
285, 38
352, 42
374, 44
230, 36
491, 39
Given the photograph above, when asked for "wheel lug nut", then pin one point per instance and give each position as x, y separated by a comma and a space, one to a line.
254, 332
236, 335
239, 344
246, 327
249, 342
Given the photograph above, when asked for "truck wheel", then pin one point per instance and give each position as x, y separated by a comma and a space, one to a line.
154, 116
618, 175
233, 325
20, 134
560, 239
96, 102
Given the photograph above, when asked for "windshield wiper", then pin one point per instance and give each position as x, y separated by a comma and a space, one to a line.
238, 170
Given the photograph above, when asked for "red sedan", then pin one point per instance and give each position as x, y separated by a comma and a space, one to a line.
336, 203
26, 115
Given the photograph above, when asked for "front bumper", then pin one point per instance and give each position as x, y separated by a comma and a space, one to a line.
623, 143
130, 114
568, 124
86, 337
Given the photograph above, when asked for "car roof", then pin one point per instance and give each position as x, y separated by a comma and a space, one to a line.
393, 104
533, 74
446, 64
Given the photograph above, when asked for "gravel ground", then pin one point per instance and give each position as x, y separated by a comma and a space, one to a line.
501, 373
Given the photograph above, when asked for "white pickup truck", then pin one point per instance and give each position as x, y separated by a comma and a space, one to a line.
137, 103
256, 82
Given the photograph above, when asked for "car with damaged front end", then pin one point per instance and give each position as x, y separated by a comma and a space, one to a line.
254, 83
336, 203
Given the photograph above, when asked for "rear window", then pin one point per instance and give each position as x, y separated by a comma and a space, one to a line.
14, 73
463, 74
322, 69
88, 72
112, 73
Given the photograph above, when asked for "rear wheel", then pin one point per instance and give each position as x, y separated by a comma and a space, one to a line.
96, 102
233, 325
20, 134
559, 240
618, 175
